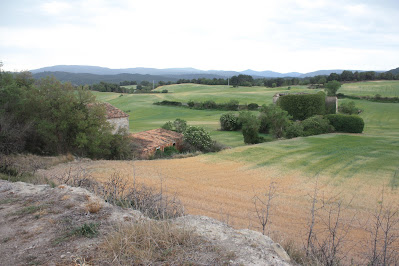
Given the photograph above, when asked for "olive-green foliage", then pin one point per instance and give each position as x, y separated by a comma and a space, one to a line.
253, 106
348, 108
316, 125
250, 127
166, 153
346, 123
229, 122
59, 118
198, 138
179, 125
332, 87
302, 106
294, 130
273, 120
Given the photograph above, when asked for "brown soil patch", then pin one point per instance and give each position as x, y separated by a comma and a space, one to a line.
225, 191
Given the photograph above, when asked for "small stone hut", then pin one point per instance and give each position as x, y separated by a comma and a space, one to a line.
115, 116
156, 139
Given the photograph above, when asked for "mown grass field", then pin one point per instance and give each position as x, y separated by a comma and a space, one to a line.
383, 88
145, 116
353, 167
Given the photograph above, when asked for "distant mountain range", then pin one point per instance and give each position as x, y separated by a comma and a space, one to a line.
80, 75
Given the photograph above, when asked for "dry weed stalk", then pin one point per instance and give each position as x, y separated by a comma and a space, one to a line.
383, 245
263, 206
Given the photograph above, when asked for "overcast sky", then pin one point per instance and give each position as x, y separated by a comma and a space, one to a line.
278, 35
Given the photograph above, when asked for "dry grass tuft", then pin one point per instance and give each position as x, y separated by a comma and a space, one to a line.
160, 243
65, 197
93, 207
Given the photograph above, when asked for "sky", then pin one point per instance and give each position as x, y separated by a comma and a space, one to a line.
278, 35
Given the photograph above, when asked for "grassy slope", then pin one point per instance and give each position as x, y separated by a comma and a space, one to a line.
375, 152
144, 115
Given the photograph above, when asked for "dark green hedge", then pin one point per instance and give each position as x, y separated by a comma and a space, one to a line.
302, 106
346, 123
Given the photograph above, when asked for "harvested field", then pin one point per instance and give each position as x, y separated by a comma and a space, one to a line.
225, 191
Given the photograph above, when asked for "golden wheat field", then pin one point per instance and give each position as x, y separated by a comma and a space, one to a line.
225, 190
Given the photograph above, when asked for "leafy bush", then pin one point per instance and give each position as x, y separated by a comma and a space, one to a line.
273, 120
346, 123
209, 105
190, 103
302, 106
294, 130
229, 122
198, 138
179, 125
250, 127
166, 102
332, 87
253, 106
232, 105
168, 126
348, 108
165, 91
316, 125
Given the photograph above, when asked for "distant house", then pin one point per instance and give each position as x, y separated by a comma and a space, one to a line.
116, 117
156, 139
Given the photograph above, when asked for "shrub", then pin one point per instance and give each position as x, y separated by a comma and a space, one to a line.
253, 106
348, 108
294, 130
332, 87
166, 102
168, 126
229, 122
232, 105
190, 103
302, 106
250, 127
346, 123
273, 120
180, 125
164, 91
316, 125
209, 105
198, 138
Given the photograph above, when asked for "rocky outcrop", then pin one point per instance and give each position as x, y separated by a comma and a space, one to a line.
35, 221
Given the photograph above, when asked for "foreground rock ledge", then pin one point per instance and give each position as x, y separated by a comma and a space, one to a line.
32, 217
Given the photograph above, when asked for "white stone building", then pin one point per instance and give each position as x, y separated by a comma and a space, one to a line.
116, 117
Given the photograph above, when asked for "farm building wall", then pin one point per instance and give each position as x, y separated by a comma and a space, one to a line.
117, 123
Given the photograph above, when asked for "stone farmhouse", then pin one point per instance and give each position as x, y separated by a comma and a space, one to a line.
116, 117
156, 139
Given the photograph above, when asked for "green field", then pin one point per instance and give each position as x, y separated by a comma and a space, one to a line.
371, 88
375, 152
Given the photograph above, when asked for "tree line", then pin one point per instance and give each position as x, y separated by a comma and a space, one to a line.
248, 81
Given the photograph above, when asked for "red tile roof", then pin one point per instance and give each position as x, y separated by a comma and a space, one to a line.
111, 111
155, 138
